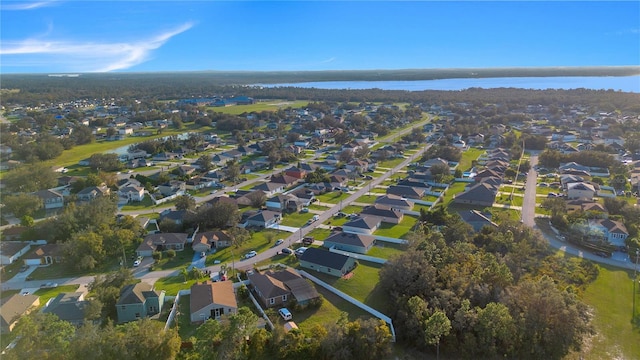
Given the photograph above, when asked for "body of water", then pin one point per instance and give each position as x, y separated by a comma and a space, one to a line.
617, 83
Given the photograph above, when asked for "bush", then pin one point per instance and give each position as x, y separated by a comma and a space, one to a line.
156, 255
171, 253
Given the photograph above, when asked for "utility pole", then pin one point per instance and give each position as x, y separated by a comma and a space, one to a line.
635, 279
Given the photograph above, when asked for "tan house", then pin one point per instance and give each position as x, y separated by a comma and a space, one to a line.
212, 300
205, 241
15, 307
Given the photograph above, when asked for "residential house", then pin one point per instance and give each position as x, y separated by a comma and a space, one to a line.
477, 219
585, 205
51, 199
356, 243
69, 307
433, 162
283, 203
580, 190
138, 301
358, 166
383, 213
269, 188
44, 255
327, 262
264, 219
406, 192
173, 187
481, 194
212, 300
13, 233
15, 307
186, 170
161, 242
176, 216
394, 202
10, 251
614, 231
284, 179
92, 192
296, 172
362, 225
131, 193
203, 242
278, 288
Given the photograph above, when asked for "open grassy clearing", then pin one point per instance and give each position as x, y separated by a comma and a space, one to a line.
62, 270
270, 105
611, 297
296, 219
319, 234
391, 163
386, 250
318, 207
172, 284
507, 199
467, 157
333, 197
367, 199
363, 285
455, 188
397, 231
139, 205
47, 294
257, 242
183, 258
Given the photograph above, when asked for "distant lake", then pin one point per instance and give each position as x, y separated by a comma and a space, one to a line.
617, 83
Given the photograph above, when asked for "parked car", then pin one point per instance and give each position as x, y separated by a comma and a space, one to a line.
250, 254
136, 263
301, 250
315, 218
307, 240
24, 268
287, 251
279, 241
285, 313
304, 210
341, 214
203, 254
49, 285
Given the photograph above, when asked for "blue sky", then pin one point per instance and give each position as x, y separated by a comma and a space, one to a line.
134, 36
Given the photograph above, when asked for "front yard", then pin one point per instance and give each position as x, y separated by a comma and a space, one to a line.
333, 197
398, 231
296, 219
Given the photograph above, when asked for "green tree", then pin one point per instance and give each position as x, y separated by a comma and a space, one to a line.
22, 204
204, 162
185, 202
27, 221
30, 178
435, 327
106, 288
41, 336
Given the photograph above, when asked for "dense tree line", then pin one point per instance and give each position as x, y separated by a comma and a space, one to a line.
500, 290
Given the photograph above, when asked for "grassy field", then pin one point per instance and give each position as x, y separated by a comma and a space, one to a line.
385, 250
467, 157
367, 199
318, 207
397, 231
611, 296
183, 258
172, 284
272, 105
390, 163
139, 205
332, 197
328, 313
296, 219
504, 199
46, 294
363, 285
319, 234
258, 242
453, 189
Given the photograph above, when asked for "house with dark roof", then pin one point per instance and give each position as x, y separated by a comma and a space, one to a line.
282, 203
212, 300
327, 262
362, 225
13, 308
406, 192
296, 172
44, 255
203, 242
161, 242
477, 219
383, 213
284, 179
613, 231
278, 288
138, 301
173, 187
68, 307
584, 205
481, 194
394, 202
356, 243
264, 219
50, 198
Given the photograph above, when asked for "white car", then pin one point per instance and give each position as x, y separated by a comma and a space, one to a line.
279, 241
301, 250
250, 254
136, 263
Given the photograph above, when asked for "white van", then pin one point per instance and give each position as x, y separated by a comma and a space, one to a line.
285, 313
315, 218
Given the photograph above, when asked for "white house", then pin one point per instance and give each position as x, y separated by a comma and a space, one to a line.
580, 190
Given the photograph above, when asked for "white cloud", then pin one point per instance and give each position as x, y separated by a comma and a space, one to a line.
17, 6
87, 56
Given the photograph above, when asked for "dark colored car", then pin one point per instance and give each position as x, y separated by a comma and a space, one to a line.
287, 251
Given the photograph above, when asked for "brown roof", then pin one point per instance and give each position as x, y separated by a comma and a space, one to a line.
16, 306
208, 293
137, 293
10, 248
45, 250
151, 242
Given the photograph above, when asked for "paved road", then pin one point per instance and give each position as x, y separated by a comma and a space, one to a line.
529, 200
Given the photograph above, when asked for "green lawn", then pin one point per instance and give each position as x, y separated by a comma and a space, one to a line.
183, 258
510, 188
296, 219
46, 294
390, 163
453, 189
398, 231
318, 207
172, 284
271, 105
467, 157
319, 234
258, 242
385, 250
328, 313
61, 270
504, 199
332, 197
363, 285
368, 199
139, 205
611, 296
378, 191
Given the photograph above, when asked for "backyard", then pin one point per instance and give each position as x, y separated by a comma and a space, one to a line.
398, 231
